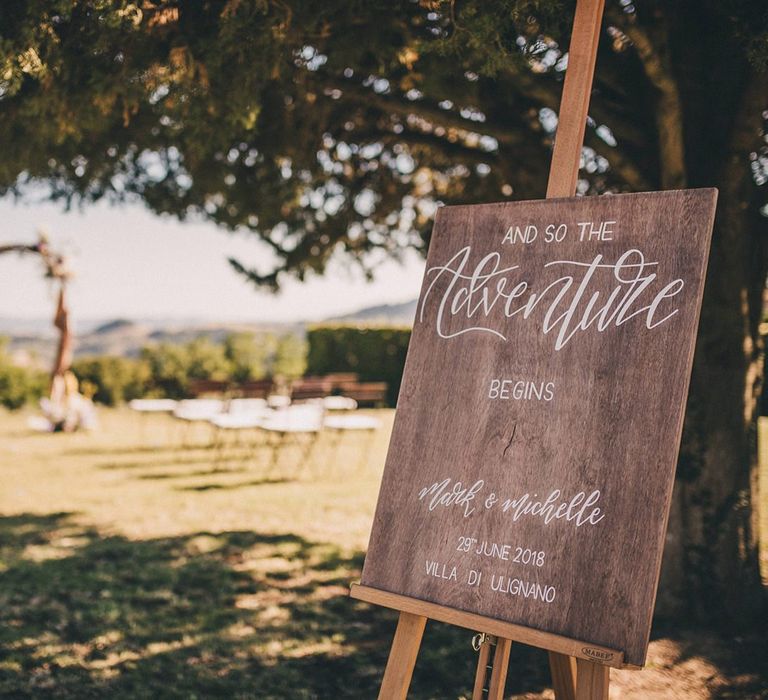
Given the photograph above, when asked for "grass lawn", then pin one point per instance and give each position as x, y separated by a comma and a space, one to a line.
133, 568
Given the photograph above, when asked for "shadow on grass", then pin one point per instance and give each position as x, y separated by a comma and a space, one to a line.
276, 469
230, 615
250, 455
153, 464
215, 615
217, 486
136, 449
213, 471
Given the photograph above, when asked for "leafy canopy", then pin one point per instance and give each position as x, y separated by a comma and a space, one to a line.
336, 127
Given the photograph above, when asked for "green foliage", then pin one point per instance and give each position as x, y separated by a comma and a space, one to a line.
19, 385
376, 354
255, 356
172, 366
248, 355
290, 356
205, 359
112, 380
327, 127
165, 370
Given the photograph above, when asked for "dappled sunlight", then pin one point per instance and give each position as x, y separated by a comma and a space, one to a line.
211, 602
123, 568
244, 199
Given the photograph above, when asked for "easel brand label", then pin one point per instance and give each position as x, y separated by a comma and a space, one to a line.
597, 654
534, 447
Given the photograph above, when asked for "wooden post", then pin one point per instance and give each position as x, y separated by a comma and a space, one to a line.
402, 657
592, 680
483, 657
564, 170
563, 671
500, 667
563, 176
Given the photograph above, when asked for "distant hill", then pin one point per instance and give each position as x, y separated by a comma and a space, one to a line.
33, 342
10, 326
111, 326
393, 314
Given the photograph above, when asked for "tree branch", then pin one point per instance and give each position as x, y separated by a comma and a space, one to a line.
430, 111
534, 90
669, 111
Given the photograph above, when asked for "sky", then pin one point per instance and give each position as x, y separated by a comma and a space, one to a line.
131, 263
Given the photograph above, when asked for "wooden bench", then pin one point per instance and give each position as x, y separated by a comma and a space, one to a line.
255, 389
311, 388
338, 379
208, 387
372, 394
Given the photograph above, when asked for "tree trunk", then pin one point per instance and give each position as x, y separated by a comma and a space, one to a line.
711, 564
64, 351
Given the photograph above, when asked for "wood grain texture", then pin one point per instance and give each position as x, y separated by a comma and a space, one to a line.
481, 674
500, 668
600, 411
498, 628
563, 671
574, 104
402, 657
592, 681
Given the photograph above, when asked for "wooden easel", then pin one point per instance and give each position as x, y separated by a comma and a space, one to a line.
580, 671
570, 660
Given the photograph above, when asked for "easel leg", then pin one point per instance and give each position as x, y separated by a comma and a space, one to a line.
402, 657
591, 680
563, 670
483, 664
500, 667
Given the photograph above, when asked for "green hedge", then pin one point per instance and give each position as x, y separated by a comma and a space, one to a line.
19, 385
166, 370
111, 380
377, 354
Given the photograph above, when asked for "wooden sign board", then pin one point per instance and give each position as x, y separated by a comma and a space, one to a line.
533, 454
